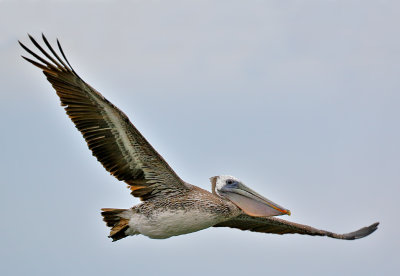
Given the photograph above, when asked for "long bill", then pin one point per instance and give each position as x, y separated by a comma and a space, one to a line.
251, 202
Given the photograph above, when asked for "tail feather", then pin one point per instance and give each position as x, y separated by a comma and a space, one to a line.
115, 220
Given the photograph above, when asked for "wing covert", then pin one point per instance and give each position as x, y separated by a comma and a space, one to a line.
111, 137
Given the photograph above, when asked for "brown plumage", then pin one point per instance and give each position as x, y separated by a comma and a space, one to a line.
107, 130
118, 225
279, 226
170, 206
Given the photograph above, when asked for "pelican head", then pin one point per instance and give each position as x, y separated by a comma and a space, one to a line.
249, 201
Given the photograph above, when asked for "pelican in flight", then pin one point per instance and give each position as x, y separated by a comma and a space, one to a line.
170, 206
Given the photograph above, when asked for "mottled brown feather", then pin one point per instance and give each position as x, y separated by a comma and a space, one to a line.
118, 224
111, 137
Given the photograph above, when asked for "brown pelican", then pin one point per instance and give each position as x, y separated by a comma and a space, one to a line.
170, 206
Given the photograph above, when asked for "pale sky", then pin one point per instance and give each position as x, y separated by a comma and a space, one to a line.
298, 99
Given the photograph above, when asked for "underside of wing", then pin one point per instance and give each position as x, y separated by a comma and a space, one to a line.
111, 137
279, 226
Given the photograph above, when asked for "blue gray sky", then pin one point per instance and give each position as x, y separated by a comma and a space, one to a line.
298, 99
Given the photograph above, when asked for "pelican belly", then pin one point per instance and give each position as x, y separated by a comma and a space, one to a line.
168, 223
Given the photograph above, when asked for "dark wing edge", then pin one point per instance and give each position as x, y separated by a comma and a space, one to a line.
111, 137
279, 226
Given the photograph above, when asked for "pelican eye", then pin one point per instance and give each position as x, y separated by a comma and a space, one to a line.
229, 182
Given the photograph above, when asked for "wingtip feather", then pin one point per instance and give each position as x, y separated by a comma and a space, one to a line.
361, 233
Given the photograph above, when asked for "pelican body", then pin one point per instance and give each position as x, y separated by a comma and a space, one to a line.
177, 215
170, 206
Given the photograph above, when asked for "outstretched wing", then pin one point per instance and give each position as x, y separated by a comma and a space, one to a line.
111, 137
279, 226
